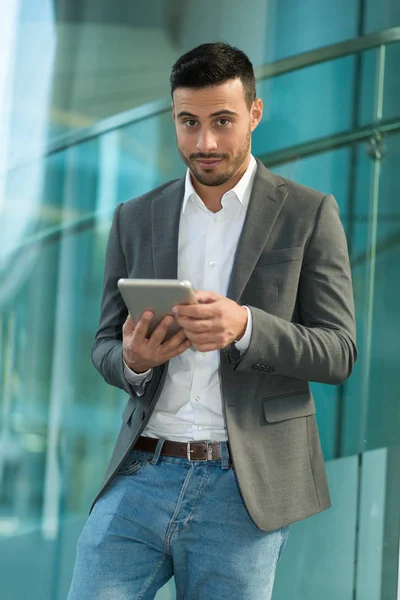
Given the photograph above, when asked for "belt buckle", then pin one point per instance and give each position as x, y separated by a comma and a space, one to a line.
189, 451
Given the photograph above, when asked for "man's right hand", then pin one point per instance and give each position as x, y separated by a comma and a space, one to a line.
140, 353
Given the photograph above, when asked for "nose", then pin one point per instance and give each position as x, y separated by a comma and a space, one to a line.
206, 142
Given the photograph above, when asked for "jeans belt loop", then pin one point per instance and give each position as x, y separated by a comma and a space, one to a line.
157, 451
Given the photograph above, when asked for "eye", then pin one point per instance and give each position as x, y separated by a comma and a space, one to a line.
190, 123
223, 122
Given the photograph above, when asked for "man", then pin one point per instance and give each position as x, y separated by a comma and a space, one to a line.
219, 450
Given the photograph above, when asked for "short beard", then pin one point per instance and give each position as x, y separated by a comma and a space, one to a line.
211, 179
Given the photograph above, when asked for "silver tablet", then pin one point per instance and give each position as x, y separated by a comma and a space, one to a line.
157, 295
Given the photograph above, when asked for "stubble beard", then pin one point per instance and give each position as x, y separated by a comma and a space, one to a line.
214, 179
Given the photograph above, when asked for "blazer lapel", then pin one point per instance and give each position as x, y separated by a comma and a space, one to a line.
166, 209
267, 198
266, 201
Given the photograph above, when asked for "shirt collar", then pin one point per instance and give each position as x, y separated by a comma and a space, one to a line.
241, 190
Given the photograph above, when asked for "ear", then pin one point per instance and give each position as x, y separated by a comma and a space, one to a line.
256, 113
173, 110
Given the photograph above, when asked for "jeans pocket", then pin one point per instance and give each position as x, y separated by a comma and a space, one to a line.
131, 466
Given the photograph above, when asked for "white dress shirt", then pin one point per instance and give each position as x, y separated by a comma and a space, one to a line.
190, 404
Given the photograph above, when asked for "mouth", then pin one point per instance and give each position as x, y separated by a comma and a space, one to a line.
209, 163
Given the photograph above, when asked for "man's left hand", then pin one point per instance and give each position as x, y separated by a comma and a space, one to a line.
213, 323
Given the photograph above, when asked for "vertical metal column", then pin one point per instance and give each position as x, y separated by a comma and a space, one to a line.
377, 155
375, 152
357, 91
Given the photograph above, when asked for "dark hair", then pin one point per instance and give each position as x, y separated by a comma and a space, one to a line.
212, 64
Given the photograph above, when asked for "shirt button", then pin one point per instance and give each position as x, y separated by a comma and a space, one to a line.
200, 427
197, 398
204, 353
211, 263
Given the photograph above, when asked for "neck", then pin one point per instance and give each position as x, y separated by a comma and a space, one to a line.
212, 195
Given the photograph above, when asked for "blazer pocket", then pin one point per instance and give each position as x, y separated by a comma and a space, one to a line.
284, 408
280, 256
129, 410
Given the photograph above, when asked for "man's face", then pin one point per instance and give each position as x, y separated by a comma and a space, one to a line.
213, 129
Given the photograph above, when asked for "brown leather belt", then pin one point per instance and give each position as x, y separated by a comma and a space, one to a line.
190, 450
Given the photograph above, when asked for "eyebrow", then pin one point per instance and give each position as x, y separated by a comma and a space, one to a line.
219, 113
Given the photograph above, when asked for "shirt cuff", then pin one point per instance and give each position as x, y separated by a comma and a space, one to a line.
137, 378
244, 342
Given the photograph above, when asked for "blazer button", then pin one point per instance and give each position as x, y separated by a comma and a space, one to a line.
269, 369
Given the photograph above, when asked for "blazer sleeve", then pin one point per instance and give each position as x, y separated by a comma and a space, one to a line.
107, 348
322, 346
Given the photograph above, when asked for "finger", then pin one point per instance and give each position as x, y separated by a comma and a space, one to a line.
196, 338
195, 325
175, 340
205, 297
194, 311
183, 347
143, 326
210, 338
158, 335
129, 325
205, 346
179, 350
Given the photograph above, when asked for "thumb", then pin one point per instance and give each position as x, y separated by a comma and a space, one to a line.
204, 297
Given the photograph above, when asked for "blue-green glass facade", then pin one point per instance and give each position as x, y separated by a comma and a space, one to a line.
58, 419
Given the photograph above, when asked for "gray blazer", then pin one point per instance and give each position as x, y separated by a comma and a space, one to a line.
291, 269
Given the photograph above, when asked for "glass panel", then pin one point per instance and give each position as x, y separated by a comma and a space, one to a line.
294, 112
383, 410
326, 540
392, 82
296, 30
381, 15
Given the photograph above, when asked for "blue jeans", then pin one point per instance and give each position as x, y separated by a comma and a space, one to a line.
162, 517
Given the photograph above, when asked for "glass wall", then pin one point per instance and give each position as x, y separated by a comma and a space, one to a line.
322, 127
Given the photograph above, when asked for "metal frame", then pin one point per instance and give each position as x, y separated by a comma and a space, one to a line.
330, 142
315, 57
